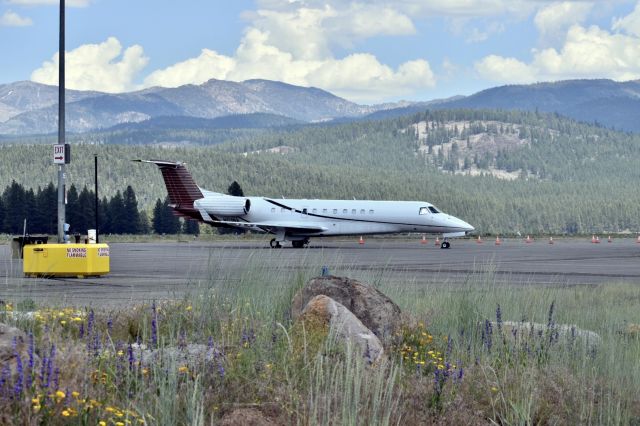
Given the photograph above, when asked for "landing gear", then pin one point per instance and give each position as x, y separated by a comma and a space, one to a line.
299, 243
445, 245
274, 244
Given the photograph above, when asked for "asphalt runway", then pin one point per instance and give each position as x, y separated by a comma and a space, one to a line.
145, 271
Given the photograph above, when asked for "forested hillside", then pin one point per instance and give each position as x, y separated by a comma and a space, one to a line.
510, 172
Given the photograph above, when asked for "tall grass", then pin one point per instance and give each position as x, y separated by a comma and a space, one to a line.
459, 358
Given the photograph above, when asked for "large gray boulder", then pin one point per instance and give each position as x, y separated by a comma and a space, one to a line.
375, 310
343, 326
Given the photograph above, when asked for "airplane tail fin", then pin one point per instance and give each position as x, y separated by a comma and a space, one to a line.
181, 187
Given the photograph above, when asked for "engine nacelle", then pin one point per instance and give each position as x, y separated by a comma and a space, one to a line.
224, 205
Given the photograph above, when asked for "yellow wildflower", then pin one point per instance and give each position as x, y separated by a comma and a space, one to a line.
109, 409
188, 308
440, 367
183, 369
102, 423
77, 319
63, 322
75, 394
119, 424
494, 389
120, 352
60, 394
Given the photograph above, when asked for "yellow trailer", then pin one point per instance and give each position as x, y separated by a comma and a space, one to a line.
65, 260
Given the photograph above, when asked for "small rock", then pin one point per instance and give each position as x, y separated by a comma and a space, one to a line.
344, 324
376, 311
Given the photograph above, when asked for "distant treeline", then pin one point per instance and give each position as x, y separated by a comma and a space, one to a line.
117, 215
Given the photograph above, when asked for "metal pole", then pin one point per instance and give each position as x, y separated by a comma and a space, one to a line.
95, 161
61, 140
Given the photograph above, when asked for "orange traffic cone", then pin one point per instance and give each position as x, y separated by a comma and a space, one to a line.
424, 239
597, 239
498, 241
479, 241
609, 240
528, 240
361, 241
438, 240
550, 240
593, 239
638, 240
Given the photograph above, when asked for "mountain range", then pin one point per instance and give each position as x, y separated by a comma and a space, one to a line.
28, 108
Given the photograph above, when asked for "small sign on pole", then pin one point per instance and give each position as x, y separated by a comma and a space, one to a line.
61, 154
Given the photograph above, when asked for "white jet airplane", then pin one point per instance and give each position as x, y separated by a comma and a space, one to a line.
298, 220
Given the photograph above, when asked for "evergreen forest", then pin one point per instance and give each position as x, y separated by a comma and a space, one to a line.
502, 171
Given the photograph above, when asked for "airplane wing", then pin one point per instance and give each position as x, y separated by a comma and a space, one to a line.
289, 227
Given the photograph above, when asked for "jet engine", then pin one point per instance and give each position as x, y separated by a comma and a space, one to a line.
228, 206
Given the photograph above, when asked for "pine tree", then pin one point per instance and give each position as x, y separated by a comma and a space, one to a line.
116, 213
131, 215
191, 227
158, 218
14, 208
86, 210
1, 216
46, 218
72, 211
172, 222
235, 189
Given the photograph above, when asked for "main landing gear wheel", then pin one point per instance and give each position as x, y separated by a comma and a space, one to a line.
445, 245
299, 243
274, 244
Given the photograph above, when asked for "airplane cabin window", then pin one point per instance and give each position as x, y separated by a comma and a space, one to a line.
370, 211
423, 210
335, 211
314, 211
304, 211
362, 211
324, 211
345, 211
353, 211
433, 210
273, 209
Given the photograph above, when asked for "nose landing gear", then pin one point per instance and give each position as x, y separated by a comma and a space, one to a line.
445, 244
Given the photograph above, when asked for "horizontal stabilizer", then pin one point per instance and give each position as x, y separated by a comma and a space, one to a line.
181, 187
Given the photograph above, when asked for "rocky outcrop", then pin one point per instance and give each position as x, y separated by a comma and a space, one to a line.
343, 326
375, 310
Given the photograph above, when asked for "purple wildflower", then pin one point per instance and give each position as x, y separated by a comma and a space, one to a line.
487, 334
132, 358
56, 377
550, 322
109, 325
4, 377
17, 389
31, 360
449, 346
154, 325
49, 372
499, 319
81, 330
90, 321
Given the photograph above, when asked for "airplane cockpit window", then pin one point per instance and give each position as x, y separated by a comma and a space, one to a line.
423, 210
433, 210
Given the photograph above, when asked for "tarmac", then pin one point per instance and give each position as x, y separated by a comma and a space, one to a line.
168, 270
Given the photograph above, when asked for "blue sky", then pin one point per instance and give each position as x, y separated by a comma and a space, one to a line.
368, 51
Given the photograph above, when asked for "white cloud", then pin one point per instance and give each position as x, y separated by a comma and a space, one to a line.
72, 3
504, 70
104, 67
197, 70
12, 19
586, 53
630, 23
360, 76
553, 20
